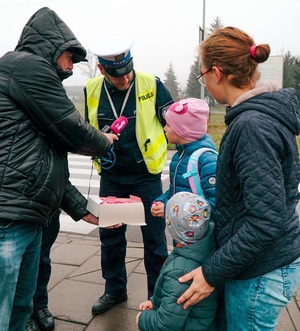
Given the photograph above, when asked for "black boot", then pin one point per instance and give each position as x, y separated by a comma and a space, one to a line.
106, 302
30, 325
44, 319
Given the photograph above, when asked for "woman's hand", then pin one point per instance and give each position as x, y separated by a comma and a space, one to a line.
198, 290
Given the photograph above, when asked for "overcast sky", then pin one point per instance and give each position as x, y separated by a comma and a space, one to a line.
163, 31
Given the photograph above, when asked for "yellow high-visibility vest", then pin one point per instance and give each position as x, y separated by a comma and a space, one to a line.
149, 131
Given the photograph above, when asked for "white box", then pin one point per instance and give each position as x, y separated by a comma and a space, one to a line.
112, 210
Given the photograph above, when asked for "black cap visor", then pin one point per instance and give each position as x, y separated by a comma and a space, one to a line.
121, 71
78, 54
78, 58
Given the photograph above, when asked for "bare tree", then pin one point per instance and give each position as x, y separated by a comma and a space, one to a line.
89, 68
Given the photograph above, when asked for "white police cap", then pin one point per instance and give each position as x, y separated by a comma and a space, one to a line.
115, 56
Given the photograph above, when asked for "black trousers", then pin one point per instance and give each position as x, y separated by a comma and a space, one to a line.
114, 243
40, 299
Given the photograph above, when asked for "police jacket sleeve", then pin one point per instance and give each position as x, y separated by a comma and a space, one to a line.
163, 101
38, 91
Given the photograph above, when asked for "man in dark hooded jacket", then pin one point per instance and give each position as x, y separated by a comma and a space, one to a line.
39, 126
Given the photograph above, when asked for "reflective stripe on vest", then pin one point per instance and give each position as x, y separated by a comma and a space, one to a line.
149, 131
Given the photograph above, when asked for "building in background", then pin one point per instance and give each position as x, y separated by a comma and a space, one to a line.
272, 70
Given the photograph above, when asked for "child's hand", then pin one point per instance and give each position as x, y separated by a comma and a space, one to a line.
143, 306
157, 209
146, 305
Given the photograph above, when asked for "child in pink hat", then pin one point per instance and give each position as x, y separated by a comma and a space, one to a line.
186, 127
188, 118
189, 219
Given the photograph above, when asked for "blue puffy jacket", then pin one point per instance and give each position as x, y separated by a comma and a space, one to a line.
206, 165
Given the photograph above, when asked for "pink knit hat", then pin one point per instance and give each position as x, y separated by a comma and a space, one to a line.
188, 118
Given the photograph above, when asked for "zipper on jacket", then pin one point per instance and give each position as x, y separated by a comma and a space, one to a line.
176, 169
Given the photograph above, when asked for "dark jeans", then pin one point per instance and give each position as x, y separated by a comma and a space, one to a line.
40, 299
114, 243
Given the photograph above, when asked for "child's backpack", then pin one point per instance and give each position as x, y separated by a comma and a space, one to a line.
193, 174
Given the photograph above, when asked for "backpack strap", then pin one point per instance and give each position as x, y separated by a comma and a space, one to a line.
192, 170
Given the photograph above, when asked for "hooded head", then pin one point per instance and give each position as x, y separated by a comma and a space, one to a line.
48, 36
115, 56
188, 118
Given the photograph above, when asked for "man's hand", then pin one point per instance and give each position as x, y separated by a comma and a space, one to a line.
111, 137
90, 218
198, 290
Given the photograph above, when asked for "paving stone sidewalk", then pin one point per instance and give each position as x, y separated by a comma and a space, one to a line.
76, 284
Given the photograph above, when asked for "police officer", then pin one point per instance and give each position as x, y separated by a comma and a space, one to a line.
138, 160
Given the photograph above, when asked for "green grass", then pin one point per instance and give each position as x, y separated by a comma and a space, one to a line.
216, 126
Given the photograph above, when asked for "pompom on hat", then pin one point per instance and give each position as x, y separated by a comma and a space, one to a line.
187, 217
188, 118
115, 56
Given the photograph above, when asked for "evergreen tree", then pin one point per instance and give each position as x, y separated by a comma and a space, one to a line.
193, 87
216, 24
297, 78
172, 84
288, 70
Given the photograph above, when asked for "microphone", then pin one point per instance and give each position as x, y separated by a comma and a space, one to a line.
117, 126
107, 161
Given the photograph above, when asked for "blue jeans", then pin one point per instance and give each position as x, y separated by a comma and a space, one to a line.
19, 258
114, 243
255, 304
